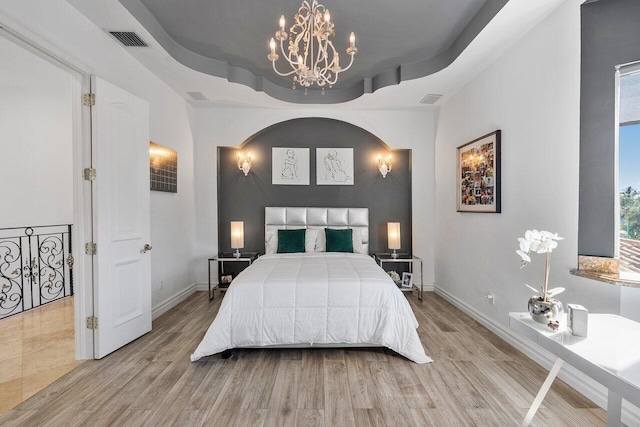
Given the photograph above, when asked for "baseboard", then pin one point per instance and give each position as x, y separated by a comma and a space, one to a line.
202, 287
593, 390
173, 300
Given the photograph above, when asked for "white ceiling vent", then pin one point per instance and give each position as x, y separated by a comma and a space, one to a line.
197, 96
430, 99
129, 38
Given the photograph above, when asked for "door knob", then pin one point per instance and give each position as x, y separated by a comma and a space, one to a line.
147, 248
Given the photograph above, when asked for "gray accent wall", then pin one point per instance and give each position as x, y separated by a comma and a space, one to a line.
243, 198
610, 36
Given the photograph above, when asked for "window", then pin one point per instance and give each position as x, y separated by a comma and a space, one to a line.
628, 83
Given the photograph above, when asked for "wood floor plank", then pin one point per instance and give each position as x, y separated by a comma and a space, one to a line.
337, 397
476, 380
263, 382
433, 417
207, 393
369, 417
191, 418
311, 389
109, 405
413, 392
310, 418
229, 401
249, 418
391, 401
499, 402
361, 384
16, 417
284, 400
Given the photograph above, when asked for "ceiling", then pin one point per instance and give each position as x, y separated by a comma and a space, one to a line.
407, 49
232, 36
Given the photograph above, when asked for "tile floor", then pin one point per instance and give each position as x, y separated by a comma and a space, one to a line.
36, 348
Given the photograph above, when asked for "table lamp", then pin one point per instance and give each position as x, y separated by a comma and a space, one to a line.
237, 237
393, 236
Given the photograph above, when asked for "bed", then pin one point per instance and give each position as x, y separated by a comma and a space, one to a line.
314, 298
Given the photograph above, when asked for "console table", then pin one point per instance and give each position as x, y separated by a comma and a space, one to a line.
610, 354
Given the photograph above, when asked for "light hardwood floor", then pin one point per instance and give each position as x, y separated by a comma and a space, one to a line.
476, 380
36, 348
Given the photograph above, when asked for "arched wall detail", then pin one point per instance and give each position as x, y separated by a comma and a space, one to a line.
244, 198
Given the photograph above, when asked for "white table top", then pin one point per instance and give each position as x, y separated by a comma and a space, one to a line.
610, 353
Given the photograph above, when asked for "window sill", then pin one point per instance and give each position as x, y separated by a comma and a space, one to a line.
631, 280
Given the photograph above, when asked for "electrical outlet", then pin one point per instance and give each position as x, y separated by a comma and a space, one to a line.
492, 298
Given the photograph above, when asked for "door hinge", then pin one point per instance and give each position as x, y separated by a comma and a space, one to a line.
90, 248
89, 174
89, 99
92, 322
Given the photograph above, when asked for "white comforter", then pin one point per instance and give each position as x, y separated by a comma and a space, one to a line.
314, 298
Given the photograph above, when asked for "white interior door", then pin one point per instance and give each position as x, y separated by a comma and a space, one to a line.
122, 295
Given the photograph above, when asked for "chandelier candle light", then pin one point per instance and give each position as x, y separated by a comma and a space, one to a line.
310, 52
543, 308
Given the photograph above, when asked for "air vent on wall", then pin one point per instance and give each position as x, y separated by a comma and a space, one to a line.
430, 99
197, 96
129, 38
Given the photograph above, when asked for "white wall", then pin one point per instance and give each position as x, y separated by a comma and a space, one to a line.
531, 93
60, 28
36, 140
232, 126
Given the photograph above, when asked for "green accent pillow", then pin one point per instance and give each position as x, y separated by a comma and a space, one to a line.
339, 240
291, 241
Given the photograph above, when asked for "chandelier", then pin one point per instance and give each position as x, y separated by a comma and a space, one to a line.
310, 53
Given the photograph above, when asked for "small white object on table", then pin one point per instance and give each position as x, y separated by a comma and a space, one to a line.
610, 354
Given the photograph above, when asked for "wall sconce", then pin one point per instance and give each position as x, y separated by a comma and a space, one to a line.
244, 164
384, 166
393, 237
237, 237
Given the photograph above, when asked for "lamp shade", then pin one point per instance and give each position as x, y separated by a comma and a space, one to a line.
393, 234
237, 234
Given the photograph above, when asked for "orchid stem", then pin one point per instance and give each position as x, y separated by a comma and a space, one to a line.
546, 277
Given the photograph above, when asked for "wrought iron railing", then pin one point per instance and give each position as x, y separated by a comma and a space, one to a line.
35, 267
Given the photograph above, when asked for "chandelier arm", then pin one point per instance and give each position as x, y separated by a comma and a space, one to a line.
333, 49
350, 63
320, 50
284, 55
279, 73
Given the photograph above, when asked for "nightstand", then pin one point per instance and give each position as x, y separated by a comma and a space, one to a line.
226, 277
384, 258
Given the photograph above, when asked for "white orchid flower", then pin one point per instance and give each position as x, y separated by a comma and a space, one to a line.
525, 258
524, 244
553, 292
539, 242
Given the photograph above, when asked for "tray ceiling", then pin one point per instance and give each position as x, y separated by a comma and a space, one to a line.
396, 41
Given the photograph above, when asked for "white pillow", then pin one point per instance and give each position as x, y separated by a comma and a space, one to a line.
358, 248
321, 243
310, 240
271, 241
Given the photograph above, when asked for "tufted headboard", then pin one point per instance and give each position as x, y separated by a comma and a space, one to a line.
289, 218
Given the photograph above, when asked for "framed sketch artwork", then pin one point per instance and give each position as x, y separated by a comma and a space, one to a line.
478, 180
334, 166
289, 166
